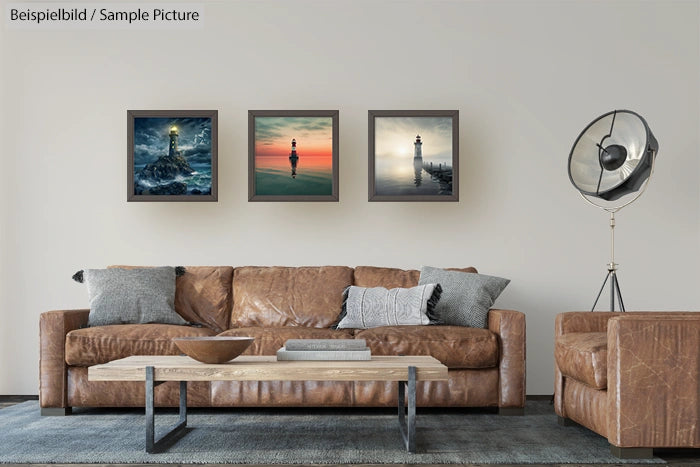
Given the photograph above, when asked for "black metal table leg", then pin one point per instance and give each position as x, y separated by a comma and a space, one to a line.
153, 445
408, 426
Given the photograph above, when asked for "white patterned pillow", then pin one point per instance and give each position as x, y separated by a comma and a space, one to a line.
466, 297
365, 308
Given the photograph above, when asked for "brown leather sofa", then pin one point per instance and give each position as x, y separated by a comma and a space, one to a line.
273, 304
633, 378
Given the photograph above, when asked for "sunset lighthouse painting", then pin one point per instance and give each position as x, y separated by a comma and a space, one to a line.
293, 155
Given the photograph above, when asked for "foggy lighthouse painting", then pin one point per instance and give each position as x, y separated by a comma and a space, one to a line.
413, 156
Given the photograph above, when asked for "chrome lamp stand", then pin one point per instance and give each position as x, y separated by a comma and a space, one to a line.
612, 273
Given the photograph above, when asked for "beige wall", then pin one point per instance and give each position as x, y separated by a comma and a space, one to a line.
526, 76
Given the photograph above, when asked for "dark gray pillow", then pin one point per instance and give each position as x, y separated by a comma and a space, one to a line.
365, 308
466, 297
131, 296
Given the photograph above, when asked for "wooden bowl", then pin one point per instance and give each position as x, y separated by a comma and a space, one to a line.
213, 349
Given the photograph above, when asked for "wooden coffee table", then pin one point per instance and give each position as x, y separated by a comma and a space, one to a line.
154, 370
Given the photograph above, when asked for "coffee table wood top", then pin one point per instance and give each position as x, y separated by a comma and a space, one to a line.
267, 368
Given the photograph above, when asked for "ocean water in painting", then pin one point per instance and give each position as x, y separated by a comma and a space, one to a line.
274, 176
200, 179
413, 156
293, 156
407, 178
172, 156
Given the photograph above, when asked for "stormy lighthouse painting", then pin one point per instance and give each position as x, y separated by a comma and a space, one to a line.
413, 155
293, 155
172, 155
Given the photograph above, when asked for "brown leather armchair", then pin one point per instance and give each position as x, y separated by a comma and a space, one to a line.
633, 378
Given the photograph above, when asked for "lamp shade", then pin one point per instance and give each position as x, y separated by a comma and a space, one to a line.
613, 155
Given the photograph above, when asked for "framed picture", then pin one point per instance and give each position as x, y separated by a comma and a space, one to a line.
293, 155
172, 155
413, 155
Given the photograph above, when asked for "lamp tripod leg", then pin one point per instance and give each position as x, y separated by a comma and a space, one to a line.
619, 293
614, 292
611, 274
601, 290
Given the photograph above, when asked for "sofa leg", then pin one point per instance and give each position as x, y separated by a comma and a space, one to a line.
55, 411
508, 411
563, 421
632, 453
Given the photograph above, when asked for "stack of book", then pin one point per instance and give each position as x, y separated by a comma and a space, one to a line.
324, 349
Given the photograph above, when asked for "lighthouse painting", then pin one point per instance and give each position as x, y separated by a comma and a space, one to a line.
413, 155
171, 155
293, 155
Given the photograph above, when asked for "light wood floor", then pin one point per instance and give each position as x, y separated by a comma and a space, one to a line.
675, 457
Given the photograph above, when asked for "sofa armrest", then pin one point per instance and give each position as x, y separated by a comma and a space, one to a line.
582, 321
53, 327
575, 321
510, 327
654, 380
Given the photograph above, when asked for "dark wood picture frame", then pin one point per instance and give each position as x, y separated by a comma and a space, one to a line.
253, 194
132, 115
444, 175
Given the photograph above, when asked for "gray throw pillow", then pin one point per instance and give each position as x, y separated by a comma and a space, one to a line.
365, 308
466, 297
131, 296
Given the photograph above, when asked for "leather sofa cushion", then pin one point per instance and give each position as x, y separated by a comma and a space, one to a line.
203, 295
455, 346
583, 356
269, 340
372, 276
288, 296
101, 344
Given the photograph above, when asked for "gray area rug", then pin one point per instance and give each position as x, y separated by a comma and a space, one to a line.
296, 436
